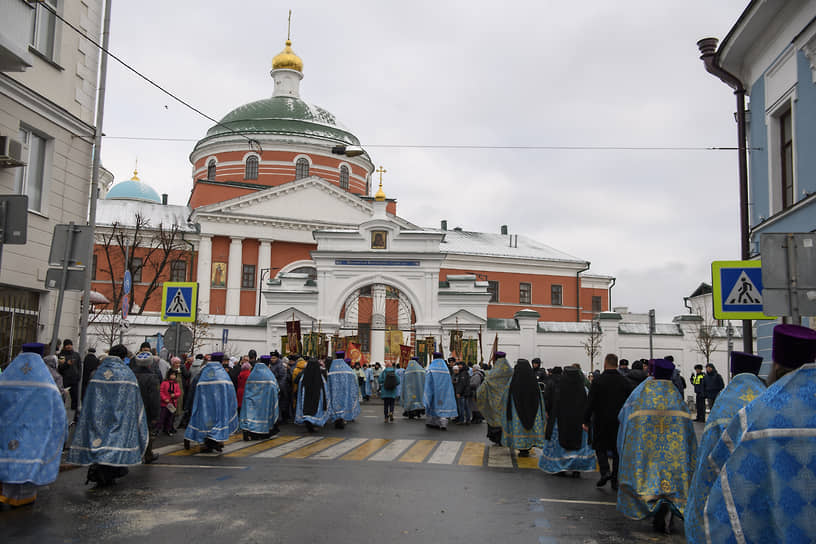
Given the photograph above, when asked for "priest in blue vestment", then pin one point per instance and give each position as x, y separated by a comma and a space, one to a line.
412, 383
658, 450
766, 488
112, 431
343, 392
32, 429
744, 387
259, 409
438, 396
313, 402
215, 407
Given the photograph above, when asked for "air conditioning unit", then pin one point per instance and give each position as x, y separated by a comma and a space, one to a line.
11, 152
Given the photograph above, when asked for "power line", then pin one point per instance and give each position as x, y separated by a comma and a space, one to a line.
252, 141
479, 146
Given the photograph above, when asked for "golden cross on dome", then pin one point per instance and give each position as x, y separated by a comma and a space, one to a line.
289, 25
381, 171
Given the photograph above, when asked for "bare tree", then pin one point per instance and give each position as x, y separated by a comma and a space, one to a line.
143, 249
592, 344
706, 339
201, 332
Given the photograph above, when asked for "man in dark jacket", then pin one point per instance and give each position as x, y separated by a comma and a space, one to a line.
699, 392
281, 373
70, 366
607, 394
149, 388
637, 374
712, 384
461, 387
88, 367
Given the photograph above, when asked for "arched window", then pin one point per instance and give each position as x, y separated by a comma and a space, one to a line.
301, 168
344, 175
178, 270
251, 168
211, 170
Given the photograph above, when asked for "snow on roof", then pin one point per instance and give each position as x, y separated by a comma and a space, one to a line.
583, 327
124, 212
666, 329
485, 243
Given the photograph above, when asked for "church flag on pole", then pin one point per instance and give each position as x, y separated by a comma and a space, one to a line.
293, 337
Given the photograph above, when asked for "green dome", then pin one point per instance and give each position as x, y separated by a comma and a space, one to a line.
283, 115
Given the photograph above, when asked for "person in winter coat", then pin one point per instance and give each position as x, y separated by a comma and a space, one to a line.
461, 388
246, 368
637, 374
712, 385
476, 379
70, 366
388, 394
149, 388
170, 392
88, 366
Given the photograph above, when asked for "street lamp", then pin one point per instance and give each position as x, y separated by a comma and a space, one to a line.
260, 286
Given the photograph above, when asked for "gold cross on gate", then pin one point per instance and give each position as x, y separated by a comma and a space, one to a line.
381, 171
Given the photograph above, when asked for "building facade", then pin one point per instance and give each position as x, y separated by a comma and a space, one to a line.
48, 80
772, 51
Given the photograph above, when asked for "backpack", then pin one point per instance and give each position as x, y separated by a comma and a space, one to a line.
390, 381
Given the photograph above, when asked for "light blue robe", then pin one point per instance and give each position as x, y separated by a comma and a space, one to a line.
742, 389
766, 489
215, 406
369, 379
259, 410
400, 373
659, 450
343, 392
438, 396
112, 428
321, 416
554, 458
413, 386
32, 423
514, 435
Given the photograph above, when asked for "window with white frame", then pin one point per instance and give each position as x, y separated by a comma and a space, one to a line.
251, 168
211, 170
178, 270
556, 295
525, 293
344, 177
786, 159
31, 177
44, 28
301, 168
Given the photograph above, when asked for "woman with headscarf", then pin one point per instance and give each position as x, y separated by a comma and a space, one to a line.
312, 399
523, 411
490, 394
243, 376
567, 447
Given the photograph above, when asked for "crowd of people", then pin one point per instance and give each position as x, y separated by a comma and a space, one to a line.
754, 461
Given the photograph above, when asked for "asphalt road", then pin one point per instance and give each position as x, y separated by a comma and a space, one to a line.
372, 482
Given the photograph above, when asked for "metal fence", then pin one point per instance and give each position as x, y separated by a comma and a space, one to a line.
19, 320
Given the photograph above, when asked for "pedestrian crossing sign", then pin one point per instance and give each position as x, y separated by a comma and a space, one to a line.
737, 287
179, 301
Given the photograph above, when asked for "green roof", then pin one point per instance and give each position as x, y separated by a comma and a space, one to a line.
286, 116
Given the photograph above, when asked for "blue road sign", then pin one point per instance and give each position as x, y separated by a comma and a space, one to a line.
224, 337
125, 306
179, 301
127, 283
737, 287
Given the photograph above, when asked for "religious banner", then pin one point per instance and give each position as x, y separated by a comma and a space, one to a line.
323, 344
337, 344
311, 345
355, 354
495, 349
455, 345
405, 355
393, 341
293, 335
470, 348
422, 352
284, 340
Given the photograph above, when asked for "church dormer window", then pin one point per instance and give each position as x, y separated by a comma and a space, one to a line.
344, 177
301, 168
211, 170
251, 168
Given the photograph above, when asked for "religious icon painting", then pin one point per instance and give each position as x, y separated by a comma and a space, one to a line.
219, 275
379, 239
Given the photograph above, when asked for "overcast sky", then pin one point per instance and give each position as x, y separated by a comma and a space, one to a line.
582, 74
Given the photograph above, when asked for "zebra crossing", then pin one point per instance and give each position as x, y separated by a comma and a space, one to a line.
319, 448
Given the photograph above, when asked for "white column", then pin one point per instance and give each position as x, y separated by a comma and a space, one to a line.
377, 344
203, 273
264, 262
236, 253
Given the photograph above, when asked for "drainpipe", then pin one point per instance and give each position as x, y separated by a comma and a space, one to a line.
711, 58
614, 281
578, 290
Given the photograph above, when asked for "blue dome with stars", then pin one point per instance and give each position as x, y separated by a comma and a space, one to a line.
134, 189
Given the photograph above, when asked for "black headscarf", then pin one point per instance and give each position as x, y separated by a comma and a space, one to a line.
568, 405
312, 384
524, 394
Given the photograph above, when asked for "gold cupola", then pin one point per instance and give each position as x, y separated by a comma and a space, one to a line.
379, 196
287, 59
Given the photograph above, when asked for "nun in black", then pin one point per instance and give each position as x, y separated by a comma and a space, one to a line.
312, 401
523, 418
